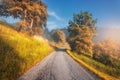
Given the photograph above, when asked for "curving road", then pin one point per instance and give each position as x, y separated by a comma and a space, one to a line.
58, 66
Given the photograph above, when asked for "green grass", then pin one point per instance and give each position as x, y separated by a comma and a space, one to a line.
19, 52
103, 71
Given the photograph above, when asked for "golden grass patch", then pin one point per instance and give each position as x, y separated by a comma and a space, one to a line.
19, 52
98, 73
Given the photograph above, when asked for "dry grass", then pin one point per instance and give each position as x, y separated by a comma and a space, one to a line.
91, 68
19, 52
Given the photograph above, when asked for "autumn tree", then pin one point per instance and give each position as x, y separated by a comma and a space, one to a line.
58, 36
82, 30
106, 51
32, 13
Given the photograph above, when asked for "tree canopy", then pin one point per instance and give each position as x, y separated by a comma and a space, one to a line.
32, 13
82, 29
105, 50
58, 36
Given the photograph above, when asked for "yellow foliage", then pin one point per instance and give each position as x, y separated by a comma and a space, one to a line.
19, 52
109, 47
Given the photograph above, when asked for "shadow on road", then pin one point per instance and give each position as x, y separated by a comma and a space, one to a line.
61, 49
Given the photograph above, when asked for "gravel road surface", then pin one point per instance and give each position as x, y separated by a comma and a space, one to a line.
58, 66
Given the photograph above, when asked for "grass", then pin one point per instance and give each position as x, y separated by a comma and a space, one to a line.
99, 69
19, 52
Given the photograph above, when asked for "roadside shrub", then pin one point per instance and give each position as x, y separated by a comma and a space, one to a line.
106, 52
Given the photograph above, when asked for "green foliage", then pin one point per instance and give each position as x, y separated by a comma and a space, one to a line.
82, 30
19, 52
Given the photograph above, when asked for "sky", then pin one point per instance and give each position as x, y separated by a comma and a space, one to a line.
107, 12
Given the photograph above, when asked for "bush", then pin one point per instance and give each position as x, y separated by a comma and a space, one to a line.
106, 52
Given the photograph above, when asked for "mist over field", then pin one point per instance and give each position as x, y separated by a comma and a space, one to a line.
104, 33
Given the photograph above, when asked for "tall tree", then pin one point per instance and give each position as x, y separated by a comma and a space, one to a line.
33, 13
82, 29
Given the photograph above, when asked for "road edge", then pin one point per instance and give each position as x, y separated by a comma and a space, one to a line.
98, 73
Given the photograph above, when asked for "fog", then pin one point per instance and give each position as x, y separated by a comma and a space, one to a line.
104, 33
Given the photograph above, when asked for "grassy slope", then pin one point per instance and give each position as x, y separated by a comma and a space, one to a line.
19, 52
93, 66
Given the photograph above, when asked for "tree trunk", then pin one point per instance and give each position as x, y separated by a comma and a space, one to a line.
19, 29
31, 23
31, 26
25, 15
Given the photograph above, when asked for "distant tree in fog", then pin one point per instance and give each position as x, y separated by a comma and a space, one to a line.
106, 50
58, 36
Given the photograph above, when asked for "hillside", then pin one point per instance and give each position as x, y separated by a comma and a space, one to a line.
19, 52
